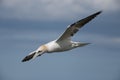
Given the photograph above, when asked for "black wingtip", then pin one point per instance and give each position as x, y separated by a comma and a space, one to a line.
27, 58
99, 12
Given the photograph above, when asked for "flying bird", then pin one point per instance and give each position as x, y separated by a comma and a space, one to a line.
64, 42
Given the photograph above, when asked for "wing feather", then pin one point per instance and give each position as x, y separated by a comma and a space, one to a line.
74, 28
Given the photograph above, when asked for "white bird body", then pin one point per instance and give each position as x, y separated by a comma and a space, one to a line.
53, 46
64, 42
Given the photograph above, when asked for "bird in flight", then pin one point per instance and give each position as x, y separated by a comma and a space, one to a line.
64, 42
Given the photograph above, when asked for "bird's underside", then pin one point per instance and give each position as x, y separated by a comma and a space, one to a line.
63, 43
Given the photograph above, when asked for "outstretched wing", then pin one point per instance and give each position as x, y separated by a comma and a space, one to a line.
32, 55
73, 28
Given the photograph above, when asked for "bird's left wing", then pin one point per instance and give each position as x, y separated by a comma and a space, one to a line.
73, 28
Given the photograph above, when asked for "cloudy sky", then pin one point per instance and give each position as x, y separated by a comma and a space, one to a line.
26, 24
53, 9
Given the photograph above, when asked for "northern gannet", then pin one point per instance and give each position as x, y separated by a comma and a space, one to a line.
64, 42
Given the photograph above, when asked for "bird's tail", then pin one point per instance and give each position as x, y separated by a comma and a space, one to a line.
79, 44
83, 44
30, 56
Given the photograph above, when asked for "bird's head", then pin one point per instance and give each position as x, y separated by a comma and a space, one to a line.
42, 48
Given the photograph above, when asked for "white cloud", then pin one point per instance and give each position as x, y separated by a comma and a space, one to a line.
53, 9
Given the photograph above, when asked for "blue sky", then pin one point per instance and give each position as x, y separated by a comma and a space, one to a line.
26, 24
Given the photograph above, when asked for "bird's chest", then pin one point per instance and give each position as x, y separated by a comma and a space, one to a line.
58, 47
52, 47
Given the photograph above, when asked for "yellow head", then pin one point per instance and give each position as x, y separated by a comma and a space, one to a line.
42, 48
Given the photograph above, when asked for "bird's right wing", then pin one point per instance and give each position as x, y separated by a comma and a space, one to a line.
73, 28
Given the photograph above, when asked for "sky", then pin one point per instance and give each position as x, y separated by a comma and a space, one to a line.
27, 24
